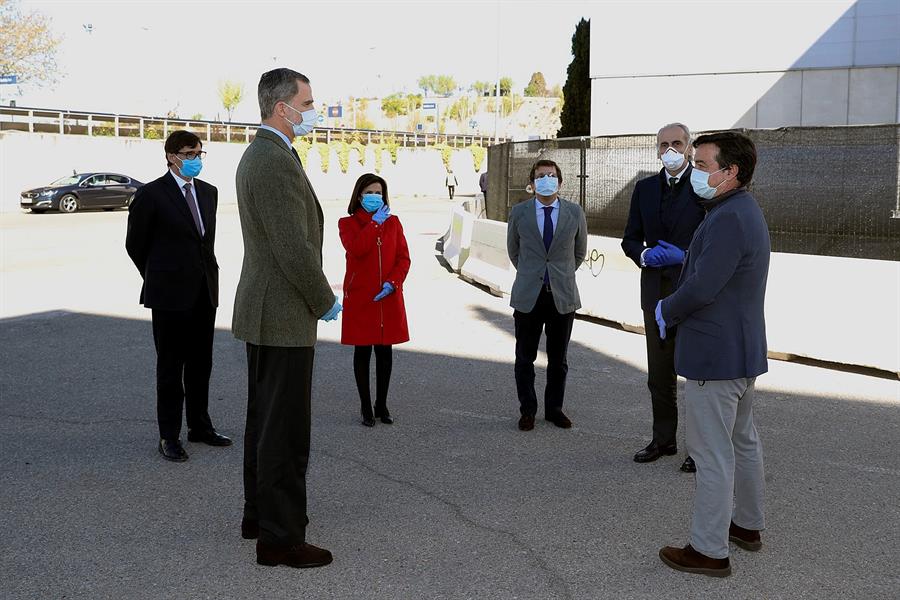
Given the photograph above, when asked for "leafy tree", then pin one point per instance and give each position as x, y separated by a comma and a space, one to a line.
506, 84
197, 117
414, 101
27, 45
230, 93
556, 91
483, 88
575, 117
427, 82
537, 87
394, 106
444, 85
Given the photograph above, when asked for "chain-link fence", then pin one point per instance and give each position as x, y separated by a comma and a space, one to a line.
831, 191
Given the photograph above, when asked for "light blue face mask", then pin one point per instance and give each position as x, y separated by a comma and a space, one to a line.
700, 183
372, 202
307, 123
191, 167
546, 185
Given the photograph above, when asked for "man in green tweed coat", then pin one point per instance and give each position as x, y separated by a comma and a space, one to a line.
281, 295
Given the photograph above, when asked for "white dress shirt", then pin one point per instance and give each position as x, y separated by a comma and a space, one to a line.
181, 183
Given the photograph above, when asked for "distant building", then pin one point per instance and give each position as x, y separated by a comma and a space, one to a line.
743, 63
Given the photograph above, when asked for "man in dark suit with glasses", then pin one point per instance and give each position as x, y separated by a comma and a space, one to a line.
171, 240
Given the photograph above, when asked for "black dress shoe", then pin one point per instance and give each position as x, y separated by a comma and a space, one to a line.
249, 528
172, 450
559, 419
689, 466
384, 415
368, 421
526, 422
300, 556
210, 438
654, 451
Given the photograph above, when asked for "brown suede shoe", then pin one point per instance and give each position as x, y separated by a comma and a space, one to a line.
526, 422
748, 539
690, 561
300, 556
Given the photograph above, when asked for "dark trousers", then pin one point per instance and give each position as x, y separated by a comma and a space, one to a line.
384, 360
661, 378
558, 327
184, 343
276, 441
451, 189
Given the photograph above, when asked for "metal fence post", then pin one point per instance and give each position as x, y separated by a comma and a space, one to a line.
208, 132
117, 126
141, 126
61, 121
90, 125
582, 176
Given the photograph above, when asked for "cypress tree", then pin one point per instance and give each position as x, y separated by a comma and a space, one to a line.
575, 119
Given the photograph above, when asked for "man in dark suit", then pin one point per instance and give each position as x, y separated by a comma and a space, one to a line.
281, 295
721, 349
663, 216
171, 239
546, 239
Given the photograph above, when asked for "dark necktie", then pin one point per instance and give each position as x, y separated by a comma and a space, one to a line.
672, 181
192, 205
548, 237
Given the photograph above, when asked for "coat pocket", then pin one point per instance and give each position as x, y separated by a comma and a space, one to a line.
709, 328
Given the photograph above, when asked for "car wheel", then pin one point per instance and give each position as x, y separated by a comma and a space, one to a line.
68, 204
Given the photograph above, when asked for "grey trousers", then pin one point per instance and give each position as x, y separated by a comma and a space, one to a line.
723, 441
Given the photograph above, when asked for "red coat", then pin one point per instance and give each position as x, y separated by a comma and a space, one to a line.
375, 254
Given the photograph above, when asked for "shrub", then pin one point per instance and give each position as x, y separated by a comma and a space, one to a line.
478, 154
325, 154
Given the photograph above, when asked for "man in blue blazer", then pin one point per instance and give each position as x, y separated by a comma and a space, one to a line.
546, 239
721, 349
664, 213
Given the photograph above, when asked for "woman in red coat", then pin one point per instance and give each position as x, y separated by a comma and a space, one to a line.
374, 313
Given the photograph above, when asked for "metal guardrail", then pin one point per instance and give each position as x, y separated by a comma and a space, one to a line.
69, 122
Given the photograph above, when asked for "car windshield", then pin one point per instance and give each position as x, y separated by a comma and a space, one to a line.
70, 180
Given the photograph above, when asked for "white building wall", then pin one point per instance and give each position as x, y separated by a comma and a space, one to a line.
740, 63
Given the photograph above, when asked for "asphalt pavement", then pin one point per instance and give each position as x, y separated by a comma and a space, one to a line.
452, 501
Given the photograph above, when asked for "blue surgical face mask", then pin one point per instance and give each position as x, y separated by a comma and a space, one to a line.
700, 183
372, 202
308, 121
546, 185
191, 167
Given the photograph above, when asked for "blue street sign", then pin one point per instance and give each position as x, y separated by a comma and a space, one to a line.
8, 79
429, 105
419, 127
336, 111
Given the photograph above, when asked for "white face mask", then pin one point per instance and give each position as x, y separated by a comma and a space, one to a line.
672, 159
308, 121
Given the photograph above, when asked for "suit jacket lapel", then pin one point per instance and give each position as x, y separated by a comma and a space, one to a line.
280, 143
680, 208
532, 219
177, 197
205, 207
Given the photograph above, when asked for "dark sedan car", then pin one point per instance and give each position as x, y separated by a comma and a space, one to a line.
82, 191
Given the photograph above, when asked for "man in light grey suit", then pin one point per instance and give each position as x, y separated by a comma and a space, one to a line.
720, 349
280, 296
546, 239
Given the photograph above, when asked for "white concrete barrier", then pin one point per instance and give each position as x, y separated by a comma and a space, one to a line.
842, 310
488, 262
458, 243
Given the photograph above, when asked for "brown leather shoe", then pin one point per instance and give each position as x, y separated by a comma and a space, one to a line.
526, 422
748, 539
249, 528
689, 560
300, 556
560, 420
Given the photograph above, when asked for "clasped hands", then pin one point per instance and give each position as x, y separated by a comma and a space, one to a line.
663, 255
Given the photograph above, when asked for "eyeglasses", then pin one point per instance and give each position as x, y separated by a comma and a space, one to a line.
191, 155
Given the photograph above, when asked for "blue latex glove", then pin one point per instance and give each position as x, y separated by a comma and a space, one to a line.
386, 290
381, 215
652, 257
669, 255
332, 313
660, 322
